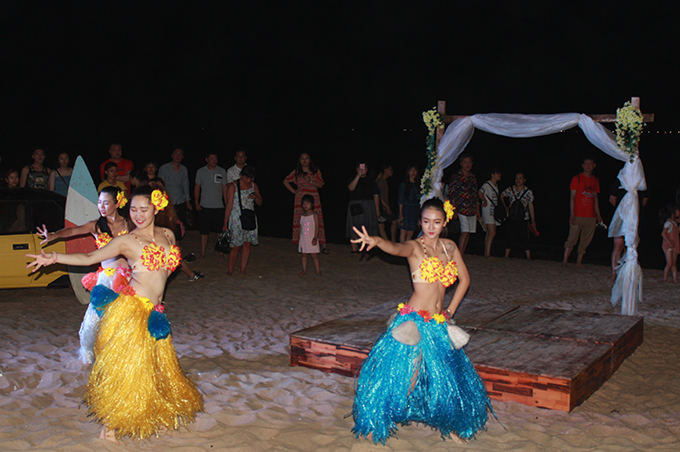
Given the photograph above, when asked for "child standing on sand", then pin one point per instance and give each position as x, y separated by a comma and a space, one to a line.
309, 233
671, 240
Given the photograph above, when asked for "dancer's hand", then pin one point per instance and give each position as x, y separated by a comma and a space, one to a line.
43, 233
41, 260
365, 239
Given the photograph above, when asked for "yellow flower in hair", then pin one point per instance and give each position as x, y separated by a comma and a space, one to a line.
159, 199
121, 199
448, 208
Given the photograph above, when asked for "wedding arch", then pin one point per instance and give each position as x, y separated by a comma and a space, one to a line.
447, 144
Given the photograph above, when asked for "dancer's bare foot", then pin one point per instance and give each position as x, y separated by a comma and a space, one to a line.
230, 272
458, 440
319, 273
202, 256
108, 435
303, 272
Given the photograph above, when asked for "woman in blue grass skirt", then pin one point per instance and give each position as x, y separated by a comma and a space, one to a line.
417, 370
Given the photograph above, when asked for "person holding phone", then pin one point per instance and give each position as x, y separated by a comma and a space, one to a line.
364, 205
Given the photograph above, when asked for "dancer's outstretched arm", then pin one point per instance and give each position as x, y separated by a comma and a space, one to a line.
116, 247
370, 242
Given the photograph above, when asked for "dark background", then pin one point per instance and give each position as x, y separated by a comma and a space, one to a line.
343, 81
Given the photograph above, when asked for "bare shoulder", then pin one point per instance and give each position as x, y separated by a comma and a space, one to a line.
449, 245
169, 234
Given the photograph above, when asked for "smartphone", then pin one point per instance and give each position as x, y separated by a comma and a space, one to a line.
362, 166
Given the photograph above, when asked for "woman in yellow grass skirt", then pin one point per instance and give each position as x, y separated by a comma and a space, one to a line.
136, 387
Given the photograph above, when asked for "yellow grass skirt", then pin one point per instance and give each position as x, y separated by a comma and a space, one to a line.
137, 386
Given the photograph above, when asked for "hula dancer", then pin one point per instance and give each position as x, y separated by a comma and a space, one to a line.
137, 387
417, 371
113, 273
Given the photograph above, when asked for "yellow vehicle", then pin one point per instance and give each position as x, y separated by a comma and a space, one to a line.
21, 211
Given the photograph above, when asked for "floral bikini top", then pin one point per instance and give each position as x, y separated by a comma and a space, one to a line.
432, 269
103, 239
155, 258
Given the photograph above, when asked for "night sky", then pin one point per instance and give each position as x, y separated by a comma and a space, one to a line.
344, 81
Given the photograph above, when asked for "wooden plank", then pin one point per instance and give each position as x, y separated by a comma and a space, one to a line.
576, 325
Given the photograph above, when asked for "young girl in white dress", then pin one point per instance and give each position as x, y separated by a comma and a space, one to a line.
309, 233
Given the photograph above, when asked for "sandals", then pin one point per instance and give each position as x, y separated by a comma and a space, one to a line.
326, 251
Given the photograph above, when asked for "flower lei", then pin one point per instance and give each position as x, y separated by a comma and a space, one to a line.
433, 121
432, 270
102, 240
159, 199
153, 257
448, 208
121, 199
407, 309
629, 123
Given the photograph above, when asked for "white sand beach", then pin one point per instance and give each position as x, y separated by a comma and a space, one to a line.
231, 334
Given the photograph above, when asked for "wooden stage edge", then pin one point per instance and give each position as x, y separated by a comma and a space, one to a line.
546, 358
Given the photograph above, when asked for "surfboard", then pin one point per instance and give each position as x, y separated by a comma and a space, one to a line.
81, 207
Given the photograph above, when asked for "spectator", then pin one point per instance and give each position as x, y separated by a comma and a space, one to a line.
409, 204
150, 170
520, 216
364, 205
125, 166
176, 178
35, 175
242, 194
386, 216
12, 178
111, 173
60, 178
463, 196
584, 211
308, 180
234, 172
489, 194
670, 216
209, 195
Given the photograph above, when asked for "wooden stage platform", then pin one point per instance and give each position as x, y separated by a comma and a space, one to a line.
539, 357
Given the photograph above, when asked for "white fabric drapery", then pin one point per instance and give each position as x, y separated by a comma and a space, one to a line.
628, 285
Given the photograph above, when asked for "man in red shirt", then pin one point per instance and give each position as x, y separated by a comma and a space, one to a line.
584, 211
125, 166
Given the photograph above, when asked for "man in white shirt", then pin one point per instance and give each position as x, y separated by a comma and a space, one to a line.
234, 172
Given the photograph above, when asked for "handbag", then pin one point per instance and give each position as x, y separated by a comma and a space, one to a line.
248, 218
223, 244
356, 209
500, 213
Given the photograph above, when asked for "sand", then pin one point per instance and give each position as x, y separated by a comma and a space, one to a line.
231, 334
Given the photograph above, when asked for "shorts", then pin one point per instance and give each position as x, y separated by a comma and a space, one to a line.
468, 223
210, 220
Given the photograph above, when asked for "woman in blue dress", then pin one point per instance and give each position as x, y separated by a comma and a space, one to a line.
417, 370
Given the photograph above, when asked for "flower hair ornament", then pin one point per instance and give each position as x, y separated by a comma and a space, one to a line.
121, 199
159, 199
448, 208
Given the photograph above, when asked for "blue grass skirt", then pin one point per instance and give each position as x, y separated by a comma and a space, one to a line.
430, 382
